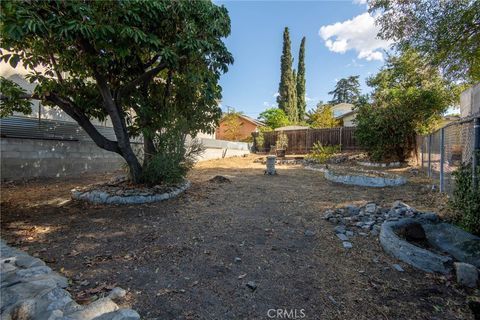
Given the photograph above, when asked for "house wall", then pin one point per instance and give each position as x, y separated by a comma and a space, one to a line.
348, 120
18, 75
341, 108
470, 101
245, 130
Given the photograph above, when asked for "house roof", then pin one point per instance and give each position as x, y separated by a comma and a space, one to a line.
255, 121
287, 128
251, 120
343, 104
345, 114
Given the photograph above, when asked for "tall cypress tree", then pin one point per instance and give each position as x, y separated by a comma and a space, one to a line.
301, 82
286, 99
294, 118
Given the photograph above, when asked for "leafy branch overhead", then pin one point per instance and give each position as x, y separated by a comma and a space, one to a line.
147, 66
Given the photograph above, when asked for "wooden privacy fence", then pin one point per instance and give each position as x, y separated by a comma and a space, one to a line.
302, 140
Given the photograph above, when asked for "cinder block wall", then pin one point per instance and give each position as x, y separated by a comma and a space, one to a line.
30, 158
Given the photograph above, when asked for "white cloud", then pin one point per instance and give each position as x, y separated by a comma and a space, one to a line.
276, 94
359, 34
360, 1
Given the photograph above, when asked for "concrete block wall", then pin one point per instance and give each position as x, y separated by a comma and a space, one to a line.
29, 158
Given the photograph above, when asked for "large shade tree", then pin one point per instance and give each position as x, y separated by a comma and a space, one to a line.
152, 67
408, 96
346, 90
446, 33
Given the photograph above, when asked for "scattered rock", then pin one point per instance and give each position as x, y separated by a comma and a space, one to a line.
347, 245
340, 229
238, 259
117, 293
349, 233
309, 233
342, 237
370, 208
467, 274
398, 267
252, 285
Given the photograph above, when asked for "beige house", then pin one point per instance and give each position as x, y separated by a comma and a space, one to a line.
345, 112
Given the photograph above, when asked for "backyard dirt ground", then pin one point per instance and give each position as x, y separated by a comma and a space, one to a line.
178, 260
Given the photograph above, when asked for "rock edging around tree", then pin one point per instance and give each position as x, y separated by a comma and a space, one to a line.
364, 180
31, 290
396, 164
119, 196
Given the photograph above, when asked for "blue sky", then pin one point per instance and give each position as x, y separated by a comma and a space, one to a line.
345, 46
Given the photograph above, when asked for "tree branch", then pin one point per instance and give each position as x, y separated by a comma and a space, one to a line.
142, 78
69, 108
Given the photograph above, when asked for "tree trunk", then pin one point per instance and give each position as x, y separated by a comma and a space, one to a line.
120, 129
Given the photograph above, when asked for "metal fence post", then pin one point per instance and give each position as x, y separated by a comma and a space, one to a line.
442, 158
476, 151
430, 155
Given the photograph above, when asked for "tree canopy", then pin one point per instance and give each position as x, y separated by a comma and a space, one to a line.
447, 33
322, 117
408, 95
274, 118
346, 90
152, 67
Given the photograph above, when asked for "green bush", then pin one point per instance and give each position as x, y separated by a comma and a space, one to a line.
466, 201
388, 134
321, 154
172, 160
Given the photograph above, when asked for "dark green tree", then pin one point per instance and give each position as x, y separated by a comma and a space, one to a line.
152, 67
301, 82
346, 90
408, 94
446, 33
286, 90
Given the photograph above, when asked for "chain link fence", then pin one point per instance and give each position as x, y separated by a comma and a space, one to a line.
443, 151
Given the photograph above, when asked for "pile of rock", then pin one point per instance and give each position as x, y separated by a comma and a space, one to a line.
31, 290
368, 219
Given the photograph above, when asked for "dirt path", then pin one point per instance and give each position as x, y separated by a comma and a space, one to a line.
177, 258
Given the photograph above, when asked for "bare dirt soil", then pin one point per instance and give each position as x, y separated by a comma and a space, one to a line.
178, 258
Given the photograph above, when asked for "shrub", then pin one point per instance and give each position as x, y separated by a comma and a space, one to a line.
388, 134
466, 201
321, 154
173, 159
282, 141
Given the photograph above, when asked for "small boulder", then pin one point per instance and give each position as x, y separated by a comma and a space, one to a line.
309, 233
467, 274
370, 208
252, 285
342, 237
347, 245
340, 229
